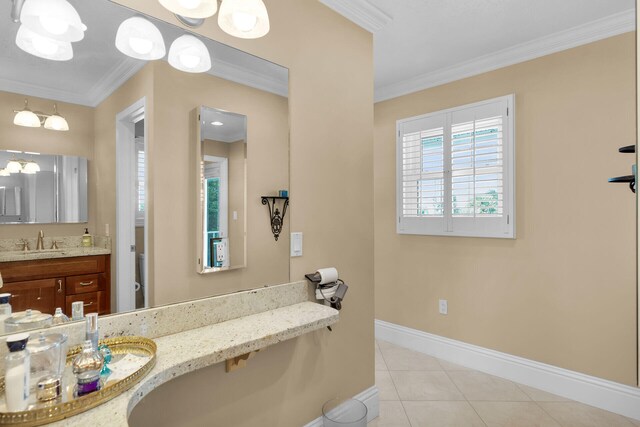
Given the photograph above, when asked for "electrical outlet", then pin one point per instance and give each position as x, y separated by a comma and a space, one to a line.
443, 305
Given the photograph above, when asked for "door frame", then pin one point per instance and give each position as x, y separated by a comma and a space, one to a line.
125, 206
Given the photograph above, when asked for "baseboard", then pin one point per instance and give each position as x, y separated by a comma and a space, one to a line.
369, 397
619, 398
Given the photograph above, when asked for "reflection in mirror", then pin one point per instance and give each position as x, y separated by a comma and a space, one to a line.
90, 86
223, 153
42, 189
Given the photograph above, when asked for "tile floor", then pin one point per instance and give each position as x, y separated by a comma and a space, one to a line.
417, 390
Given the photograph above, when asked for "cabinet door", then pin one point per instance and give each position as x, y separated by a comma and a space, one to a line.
43, 295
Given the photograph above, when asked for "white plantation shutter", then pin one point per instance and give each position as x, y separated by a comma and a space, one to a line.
455, 171
140, 172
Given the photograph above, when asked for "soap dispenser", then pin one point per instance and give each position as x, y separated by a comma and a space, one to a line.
87, 239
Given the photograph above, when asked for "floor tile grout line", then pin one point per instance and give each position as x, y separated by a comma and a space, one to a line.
405, 413
465, 398
546, 412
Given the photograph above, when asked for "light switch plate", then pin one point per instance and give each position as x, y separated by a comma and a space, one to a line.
296, 244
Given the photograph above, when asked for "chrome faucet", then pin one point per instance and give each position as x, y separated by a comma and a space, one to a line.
40, 244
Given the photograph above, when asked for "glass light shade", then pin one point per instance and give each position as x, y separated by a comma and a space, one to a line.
26, 118
14, 166
188, 53
191, 8
43, 47
56, 122
246, 19
31, 168
4, 172
55, 19
140, 39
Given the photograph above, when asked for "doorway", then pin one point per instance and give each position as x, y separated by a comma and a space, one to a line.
132, 290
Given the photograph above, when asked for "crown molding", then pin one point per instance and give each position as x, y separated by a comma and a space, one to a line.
590, 32
37, 91
112, 80
248, 77
360, 12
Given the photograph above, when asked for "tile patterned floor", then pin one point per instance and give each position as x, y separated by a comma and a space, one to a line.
417, 390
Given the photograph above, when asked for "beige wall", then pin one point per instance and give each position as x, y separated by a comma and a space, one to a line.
176, 94
237, 201
563, 292
331, 163
139, 86
78, 141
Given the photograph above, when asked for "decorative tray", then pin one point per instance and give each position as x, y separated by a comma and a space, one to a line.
68, 405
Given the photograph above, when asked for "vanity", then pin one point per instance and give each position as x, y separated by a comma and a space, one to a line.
45, 284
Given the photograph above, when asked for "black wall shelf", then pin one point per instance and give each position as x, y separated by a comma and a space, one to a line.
276, 218
627, 179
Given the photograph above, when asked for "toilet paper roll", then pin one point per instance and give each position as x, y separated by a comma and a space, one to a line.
327, 275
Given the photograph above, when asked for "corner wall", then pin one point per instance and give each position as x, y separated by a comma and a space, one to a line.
564, 291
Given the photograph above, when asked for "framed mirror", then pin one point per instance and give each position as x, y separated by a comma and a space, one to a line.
221, 154
111, 100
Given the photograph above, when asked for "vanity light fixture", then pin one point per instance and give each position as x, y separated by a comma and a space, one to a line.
246, 19
217, 123
54, 19
28, 118
140, 39
56, 121
43, 47
22, 166
196, 9
189, 53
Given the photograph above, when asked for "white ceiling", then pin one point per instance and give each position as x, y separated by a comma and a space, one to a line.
423, 43
98, 68
234, 126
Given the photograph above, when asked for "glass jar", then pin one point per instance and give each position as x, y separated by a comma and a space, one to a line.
28, 319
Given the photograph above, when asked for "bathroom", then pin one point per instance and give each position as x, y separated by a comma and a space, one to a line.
562, 292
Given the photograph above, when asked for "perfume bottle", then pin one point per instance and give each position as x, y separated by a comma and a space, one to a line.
92, 333
17, 367
59, 317
86, 367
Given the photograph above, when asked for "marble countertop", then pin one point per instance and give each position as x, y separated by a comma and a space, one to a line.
194, 349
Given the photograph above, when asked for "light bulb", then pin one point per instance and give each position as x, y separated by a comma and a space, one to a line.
54, 25
44, 45
189, 4
189, 61
56, 122
140, 45
244, 21
31, 168
4, 172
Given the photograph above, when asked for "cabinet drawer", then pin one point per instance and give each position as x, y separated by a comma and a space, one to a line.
84, 284
17, 271
94, 302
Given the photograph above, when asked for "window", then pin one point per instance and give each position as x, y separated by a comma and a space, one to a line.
140, 196
455, 171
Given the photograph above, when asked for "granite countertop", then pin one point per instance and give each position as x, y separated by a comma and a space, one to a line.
70, 246
194, 349
51, 253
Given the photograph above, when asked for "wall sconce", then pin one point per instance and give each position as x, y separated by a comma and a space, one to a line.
31, 119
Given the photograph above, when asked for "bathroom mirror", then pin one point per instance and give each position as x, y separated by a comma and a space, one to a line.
92, 91
42, 189
221, 154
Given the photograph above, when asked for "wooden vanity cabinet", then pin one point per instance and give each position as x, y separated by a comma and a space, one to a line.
45, 284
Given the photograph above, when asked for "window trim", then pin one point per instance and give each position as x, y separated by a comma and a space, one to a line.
509, 180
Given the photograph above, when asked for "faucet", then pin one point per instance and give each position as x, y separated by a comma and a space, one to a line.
25, 245
40, 244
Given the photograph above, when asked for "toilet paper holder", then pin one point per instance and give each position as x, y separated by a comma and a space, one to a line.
328, 286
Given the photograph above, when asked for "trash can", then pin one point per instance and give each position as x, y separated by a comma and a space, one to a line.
344, 413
